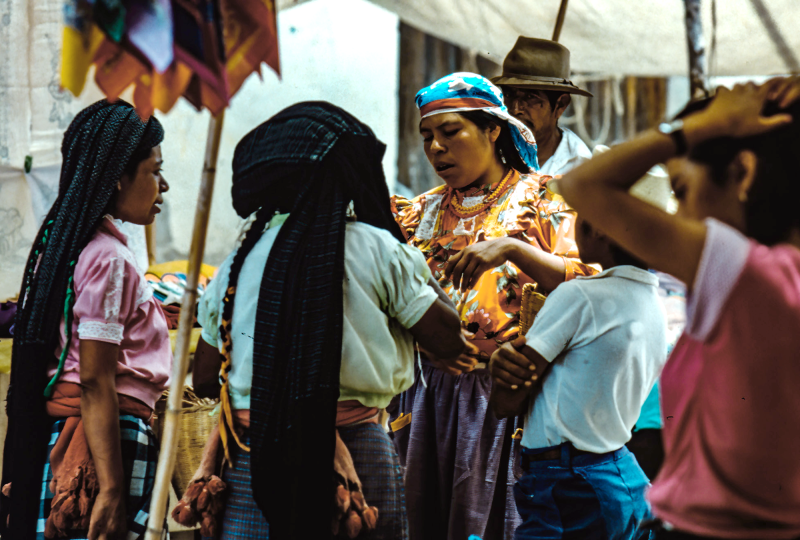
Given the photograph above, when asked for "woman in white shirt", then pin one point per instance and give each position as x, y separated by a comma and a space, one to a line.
313, 319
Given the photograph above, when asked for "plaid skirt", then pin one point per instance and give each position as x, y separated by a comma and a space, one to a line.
378, 468
139, 459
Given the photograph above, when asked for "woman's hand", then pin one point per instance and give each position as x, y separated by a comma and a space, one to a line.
467, 266
109, 520
738, 112
457, 365
785, 91
352, 515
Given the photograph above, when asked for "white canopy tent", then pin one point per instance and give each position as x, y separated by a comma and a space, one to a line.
621, 37
346, 52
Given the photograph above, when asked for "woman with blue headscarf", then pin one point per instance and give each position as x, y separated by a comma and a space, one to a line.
490, 229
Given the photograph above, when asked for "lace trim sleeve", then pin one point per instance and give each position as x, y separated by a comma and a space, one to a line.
100, 331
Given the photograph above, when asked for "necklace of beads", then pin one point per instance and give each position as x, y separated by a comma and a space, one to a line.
474, 210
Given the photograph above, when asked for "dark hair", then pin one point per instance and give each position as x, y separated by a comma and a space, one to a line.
505, 143
623, 257
771, 210
618, 254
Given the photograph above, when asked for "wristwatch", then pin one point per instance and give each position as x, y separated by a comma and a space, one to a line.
675, 130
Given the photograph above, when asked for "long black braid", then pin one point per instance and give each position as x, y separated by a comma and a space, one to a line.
97, 148
309, 160
251, 237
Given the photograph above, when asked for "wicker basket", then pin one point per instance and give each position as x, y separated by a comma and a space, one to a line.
197, 421
532, 302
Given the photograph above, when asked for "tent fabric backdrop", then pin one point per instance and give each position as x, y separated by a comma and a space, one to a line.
34, 113
611, 37
620, 37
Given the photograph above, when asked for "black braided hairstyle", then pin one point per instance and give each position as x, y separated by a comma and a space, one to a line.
98, 147
310, 160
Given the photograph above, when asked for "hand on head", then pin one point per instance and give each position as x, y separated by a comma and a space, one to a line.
739, 112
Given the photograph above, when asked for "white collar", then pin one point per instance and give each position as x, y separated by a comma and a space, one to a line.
118, 227
626, 272
571, 148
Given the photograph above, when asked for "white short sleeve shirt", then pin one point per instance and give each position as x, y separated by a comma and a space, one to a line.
386, 292
605, 336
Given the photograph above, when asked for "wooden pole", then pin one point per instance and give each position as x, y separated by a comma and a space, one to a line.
562, 12
169, 439
412, 165
697, 50
631, 94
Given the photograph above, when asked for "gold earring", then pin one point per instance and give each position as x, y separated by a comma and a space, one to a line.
743, 196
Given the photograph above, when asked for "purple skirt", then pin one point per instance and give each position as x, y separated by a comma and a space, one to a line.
460, 462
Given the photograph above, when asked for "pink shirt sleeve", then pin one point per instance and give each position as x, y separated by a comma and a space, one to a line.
724, 255
104, 298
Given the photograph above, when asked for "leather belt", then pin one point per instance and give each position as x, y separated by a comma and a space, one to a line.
549, 455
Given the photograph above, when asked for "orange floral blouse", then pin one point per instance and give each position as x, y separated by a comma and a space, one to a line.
527, 211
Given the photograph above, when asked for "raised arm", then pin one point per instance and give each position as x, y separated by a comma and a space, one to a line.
672, 244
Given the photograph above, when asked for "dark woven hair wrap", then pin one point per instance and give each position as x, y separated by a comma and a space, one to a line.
97, 147
311, 160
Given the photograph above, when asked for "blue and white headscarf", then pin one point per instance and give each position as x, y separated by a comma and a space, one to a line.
459, 92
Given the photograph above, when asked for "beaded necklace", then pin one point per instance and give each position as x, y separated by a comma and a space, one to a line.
469, 211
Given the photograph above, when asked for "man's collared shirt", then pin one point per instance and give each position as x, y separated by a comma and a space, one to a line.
571, 152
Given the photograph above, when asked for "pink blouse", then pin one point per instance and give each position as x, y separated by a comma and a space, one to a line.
115, 304
729, 396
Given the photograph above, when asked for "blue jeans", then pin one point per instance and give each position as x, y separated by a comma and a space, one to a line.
587, 497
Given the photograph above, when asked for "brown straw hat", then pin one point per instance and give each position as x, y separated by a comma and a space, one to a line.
538, 64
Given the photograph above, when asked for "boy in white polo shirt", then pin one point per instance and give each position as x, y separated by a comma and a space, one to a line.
580, 376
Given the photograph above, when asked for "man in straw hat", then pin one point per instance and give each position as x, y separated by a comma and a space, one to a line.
537, 90
579, 377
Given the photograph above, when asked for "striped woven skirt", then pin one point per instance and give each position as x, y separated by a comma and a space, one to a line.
378, 468
459, 460
139, 459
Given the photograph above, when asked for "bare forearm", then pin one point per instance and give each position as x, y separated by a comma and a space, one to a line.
205, 370
548, 270
586, 187
441, 294
100, 412
507, 403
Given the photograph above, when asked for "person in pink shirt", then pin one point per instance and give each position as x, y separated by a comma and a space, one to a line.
91, 347
729, 391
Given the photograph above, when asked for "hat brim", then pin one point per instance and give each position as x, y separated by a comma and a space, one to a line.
539, 85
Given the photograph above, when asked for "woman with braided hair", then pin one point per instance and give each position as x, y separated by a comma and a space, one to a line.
91, 348
313, 320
